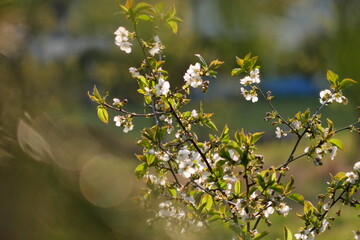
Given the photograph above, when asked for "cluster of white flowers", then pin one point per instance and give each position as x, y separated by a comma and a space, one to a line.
305, 235
189, 163
192, 76
159, 180
253, 78
122, 39
156, 47
167, 210
321, 151
123, 121
249, 95
352, 177
163, 156
326, 97
163, 87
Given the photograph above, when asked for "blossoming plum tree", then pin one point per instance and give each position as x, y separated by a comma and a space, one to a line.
193, 183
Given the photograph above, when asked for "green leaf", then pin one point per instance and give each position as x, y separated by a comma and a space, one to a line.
103, 114
287, 234
337, 143
308, 207
172, 192
173, 26
124, 8
141, 7
260, 235
240, 62
215, 64
261, 181
208, 201
332, 77
236, 71
150, 158
256, 136
340, 176
237, 187
297, 197
129, 4
140, 170
210, 124
346, 82
144, 17
96, 93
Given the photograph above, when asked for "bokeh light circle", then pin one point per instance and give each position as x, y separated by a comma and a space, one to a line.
105, 181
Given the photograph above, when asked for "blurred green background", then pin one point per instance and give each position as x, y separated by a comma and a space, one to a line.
65, 175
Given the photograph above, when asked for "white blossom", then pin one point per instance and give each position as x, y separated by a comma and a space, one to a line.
234, 155
324, 225
249, 95
128, 127
326, 206
187, 168
119, 120
296, 124
305, 235
356, 235
123, 121
352, 177
333, 152
357, 166
339, 98
134, 72
183, 154
270, 210
116, 101
122, 39
326, 96
279, 133
254, 74
194, 114
157, 46
192, 75
246, 81
163, 87
254, 78
244, 215
283, 209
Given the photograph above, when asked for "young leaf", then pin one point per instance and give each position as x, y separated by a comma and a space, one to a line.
260, 235
255, 137
297, 197
337, 143
236, 71
346, 82
129, 4
144, 17
237, 187
208, 201
173, 26
287, 234
332, 78
308, 207
103, 114
140, 170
